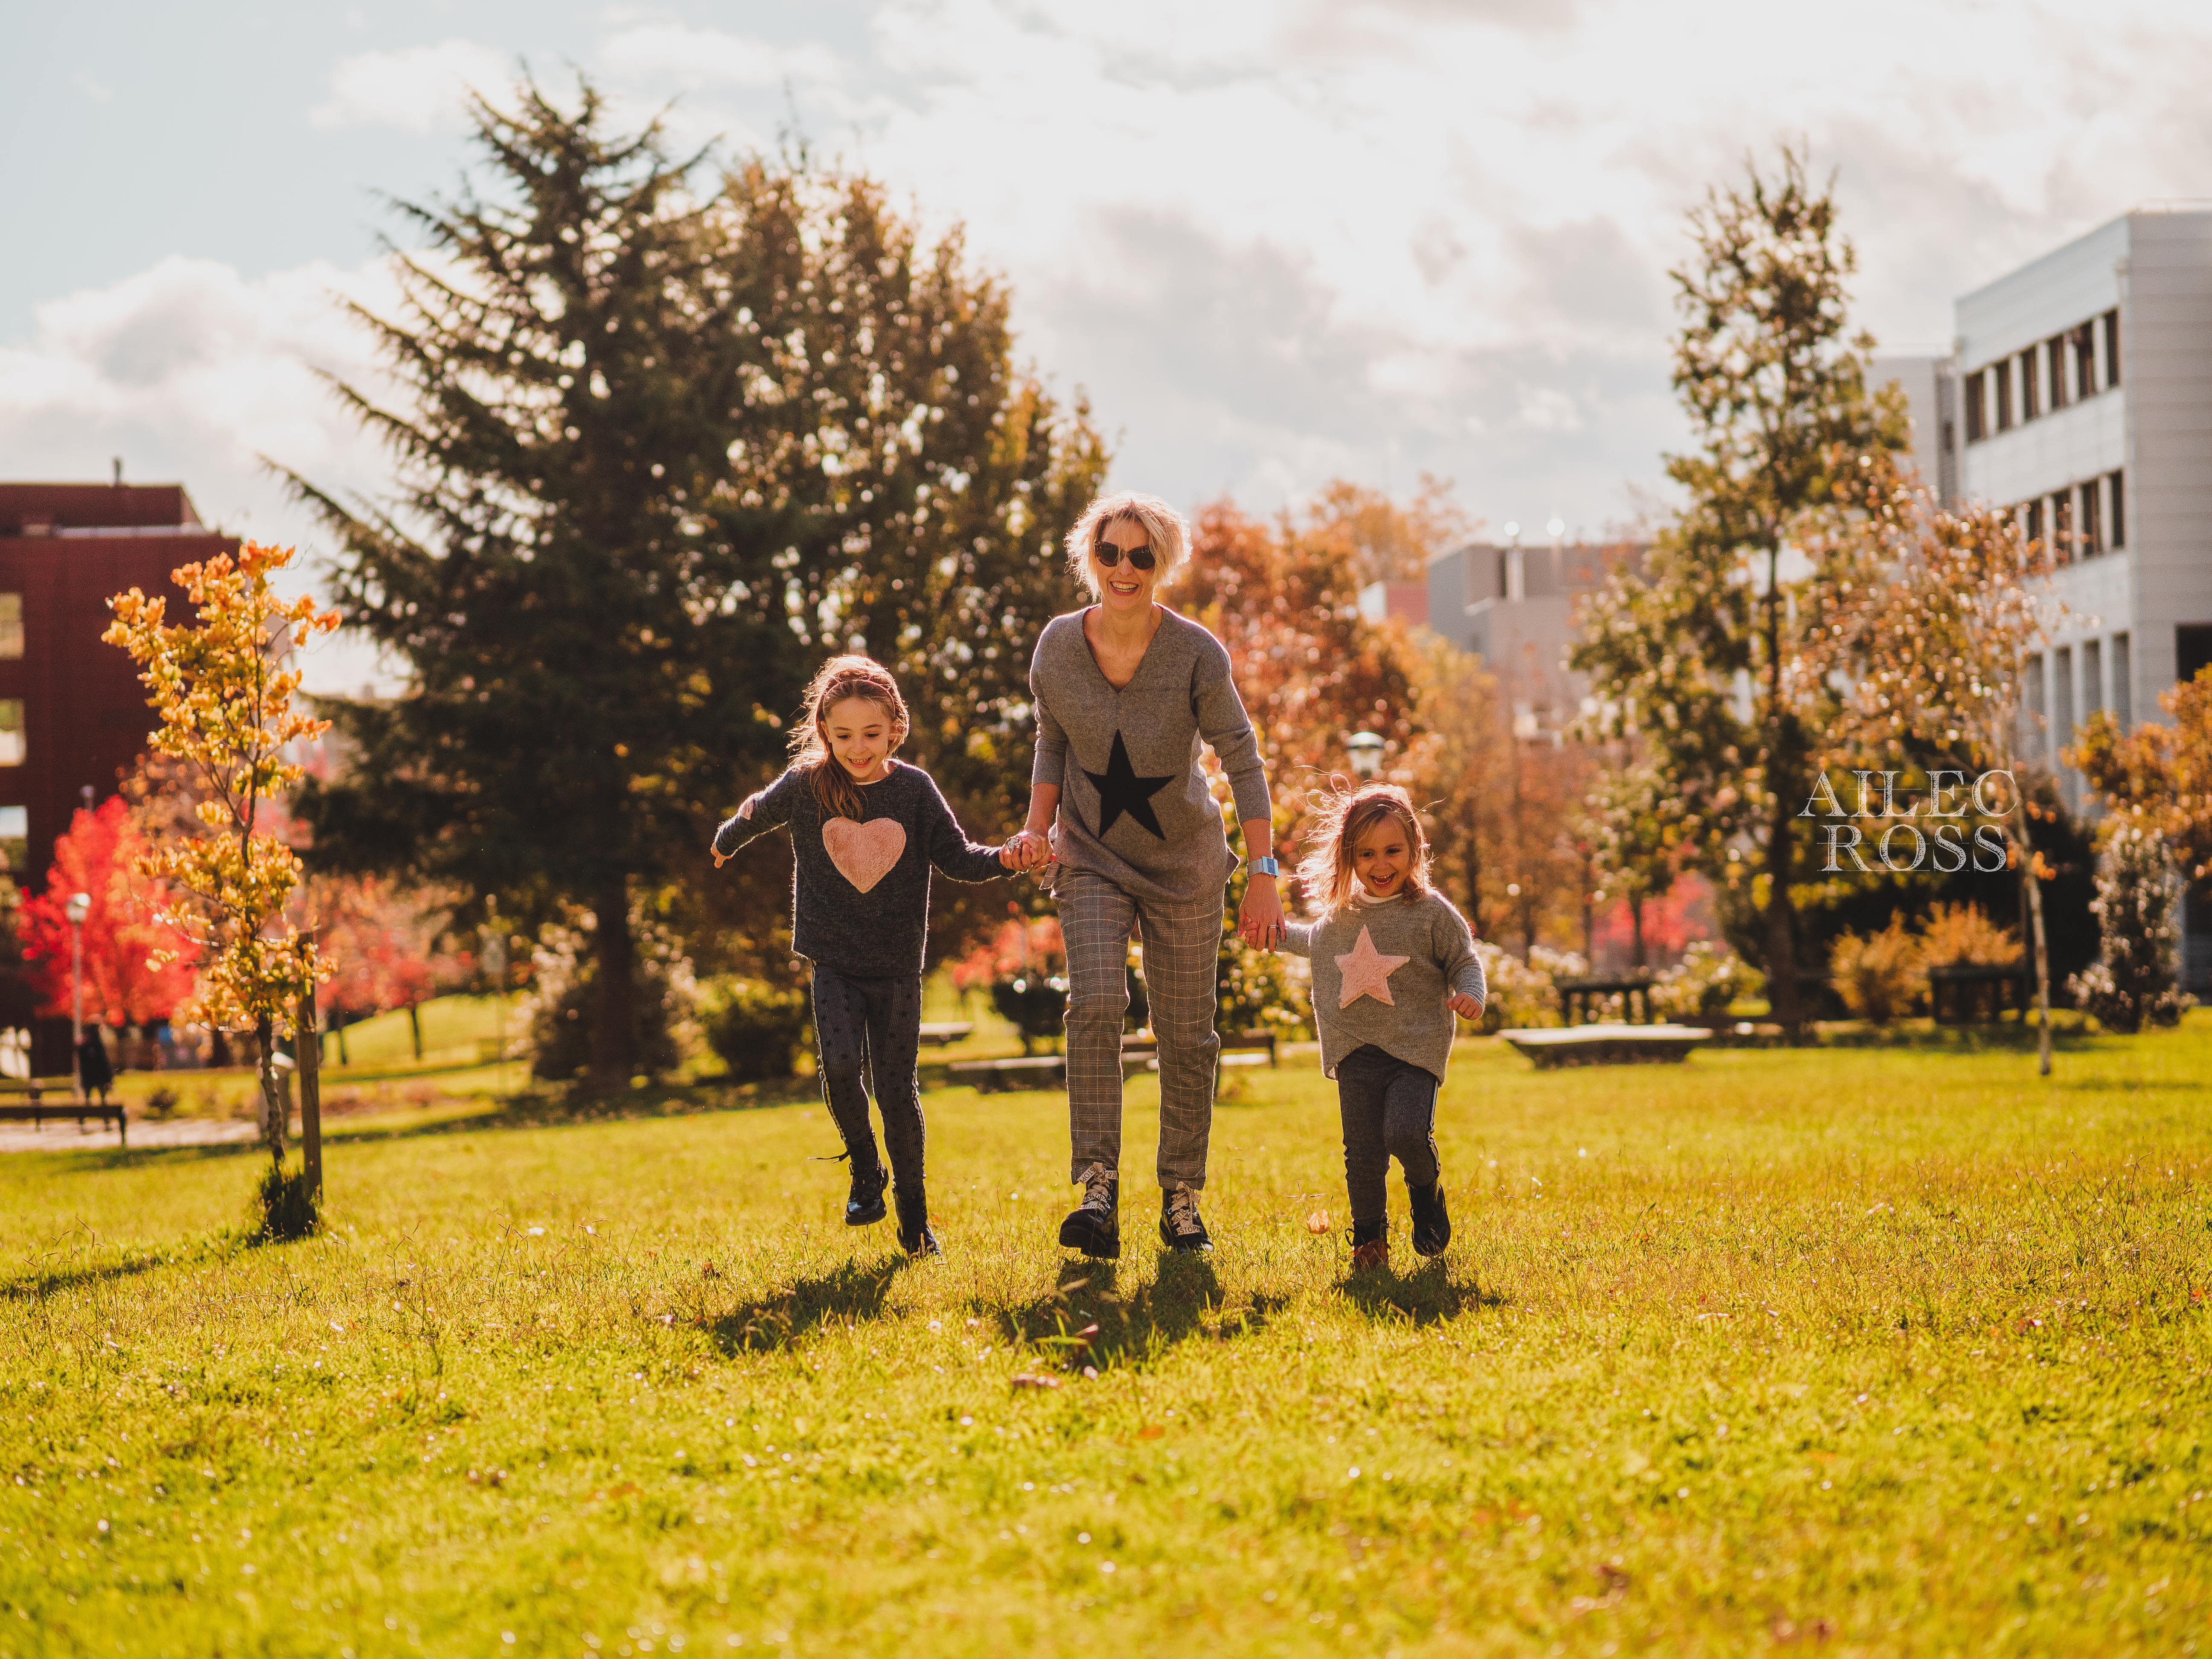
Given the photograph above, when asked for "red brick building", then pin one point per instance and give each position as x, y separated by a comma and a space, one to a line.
72, 713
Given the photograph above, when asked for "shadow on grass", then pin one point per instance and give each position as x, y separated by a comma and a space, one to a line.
853, 1290
2069, 1034
58, 1273
1086, 1320
1427, 1295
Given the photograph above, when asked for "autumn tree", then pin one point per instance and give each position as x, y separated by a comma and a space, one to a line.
1380, 538
133, 974
660, 448
2160, 776
1460, 763
223, 694
1702, 659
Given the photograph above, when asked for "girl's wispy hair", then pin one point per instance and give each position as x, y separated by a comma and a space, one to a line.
1341, 815
1165, 529
839, 679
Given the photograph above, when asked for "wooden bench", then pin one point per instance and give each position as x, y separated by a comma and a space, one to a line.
1590, 989
1147, 1047
942, 1033
2006, 982
37, 1111
996, 1077
1608, 1044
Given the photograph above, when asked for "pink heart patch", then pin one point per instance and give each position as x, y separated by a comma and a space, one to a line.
864, 853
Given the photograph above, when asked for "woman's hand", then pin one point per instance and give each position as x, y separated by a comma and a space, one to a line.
1260, 918
1025, 850
1464, 1006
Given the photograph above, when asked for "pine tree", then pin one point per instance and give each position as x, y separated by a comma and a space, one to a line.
658, 454
1702, 658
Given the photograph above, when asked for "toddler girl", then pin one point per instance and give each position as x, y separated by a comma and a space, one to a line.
865, 830
1392, 962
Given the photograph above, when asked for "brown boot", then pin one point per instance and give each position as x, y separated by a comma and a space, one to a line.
1371, 1245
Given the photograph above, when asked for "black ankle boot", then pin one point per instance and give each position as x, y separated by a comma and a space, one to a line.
1432, 1221
915, 1237
864, 1205
1095, 1229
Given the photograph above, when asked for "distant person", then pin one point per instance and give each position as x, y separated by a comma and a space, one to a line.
1393, 962
94, 1074
866, 831
1126, 691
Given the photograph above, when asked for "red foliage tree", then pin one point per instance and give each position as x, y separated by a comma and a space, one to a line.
96, 857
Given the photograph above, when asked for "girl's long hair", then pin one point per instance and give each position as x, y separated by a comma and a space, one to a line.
1340, 817
839, 679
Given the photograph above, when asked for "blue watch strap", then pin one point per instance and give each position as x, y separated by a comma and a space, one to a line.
1265, 867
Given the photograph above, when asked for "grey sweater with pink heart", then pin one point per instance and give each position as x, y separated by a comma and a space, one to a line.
859, 889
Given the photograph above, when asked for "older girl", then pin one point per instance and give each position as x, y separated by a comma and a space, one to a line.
1126, 690
1392, 962
866, 831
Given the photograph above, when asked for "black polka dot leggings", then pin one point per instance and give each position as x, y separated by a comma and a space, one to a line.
869, 1030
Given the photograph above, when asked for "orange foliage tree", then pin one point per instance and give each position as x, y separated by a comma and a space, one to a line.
124, 984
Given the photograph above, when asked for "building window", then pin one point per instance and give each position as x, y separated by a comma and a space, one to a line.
2030, 404
2061, 697
2035, 736
11, 624
2093, 677
2092, 543
1977, 408
2054, 354
2119, 519
11, 731
2062, 527
2111, 321
2001, 374
2085, 361
2192, 650
2033, 526
2124, 684
14, 837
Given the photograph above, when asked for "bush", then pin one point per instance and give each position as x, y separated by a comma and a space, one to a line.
757, 1030
2130, 985
1521, 994
1955, 933
1258, 990
283, 1207
1702, 985
163, 1102
560, 1011
1880, 975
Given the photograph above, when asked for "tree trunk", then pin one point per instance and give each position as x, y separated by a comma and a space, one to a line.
1639, 959
614, 1015
308, 1050
274, 1109
2034, 892
1782, 926
415, 1025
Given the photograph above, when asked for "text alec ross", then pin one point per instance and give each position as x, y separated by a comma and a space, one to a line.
1945, 846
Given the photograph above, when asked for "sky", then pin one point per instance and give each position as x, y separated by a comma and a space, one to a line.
1274, 243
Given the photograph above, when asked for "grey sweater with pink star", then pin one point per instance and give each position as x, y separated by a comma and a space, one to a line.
1381, 969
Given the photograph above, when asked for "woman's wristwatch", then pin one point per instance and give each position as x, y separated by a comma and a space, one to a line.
1264, 867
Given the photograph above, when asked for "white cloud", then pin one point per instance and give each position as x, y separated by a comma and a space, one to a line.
419, 89
696, 57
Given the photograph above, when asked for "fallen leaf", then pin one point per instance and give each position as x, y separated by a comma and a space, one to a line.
1151, 1432
1318, 1223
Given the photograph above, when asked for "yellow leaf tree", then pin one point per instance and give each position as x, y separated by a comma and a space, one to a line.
223, 691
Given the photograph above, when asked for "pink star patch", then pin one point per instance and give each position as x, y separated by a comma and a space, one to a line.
1366, 972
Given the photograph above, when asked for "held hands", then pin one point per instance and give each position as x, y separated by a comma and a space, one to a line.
1464, 1006
1260, 918
1026, 850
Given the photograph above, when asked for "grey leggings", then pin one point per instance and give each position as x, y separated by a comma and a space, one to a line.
1389, 1111
869, 1030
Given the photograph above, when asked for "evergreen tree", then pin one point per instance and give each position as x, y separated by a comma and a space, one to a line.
658, 453
1701, 658
2138, 894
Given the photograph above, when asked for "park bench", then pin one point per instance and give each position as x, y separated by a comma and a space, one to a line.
35, 1109
992, 1076
1587, 989
1608, 1044
942, 1033
1967, 981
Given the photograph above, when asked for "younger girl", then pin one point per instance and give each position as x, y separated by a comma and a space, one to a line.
865, 830
1392, 962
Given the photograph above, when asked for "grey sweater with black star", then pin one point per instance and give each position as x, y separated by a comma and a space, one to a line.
1418, 950
1133, 804
881, 931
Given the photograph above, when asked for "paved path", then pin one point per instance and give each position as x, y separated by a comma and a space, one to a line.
144, 1133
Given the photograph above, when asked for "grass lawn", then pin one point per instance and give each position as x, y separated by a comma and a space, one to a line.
1859, 1349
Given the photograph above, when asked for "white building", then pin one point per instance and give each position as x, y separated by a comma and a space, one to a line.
2083, 391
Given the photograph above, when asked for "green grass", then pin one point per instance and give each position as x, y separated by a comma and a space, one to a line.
1891, 1351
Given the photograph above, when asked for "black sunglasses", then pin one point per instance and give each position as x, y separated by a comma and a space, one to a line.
1141, 558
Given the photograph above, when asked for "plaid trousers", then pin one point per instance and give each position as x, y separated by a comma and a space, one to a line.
1182, 948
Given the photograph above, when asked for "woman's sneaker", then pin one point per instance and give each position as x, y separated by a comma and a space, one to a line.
1371, 1245
1095, 1229
864, 1205
1180, 1226
1432, 1221
915, 1237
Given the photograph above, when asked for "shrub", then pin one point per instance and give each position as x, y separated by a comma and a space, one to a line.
2130, 985
1961, 932
1521, 994
283, 1207
1880, 975
163, 1103
561, 1009
757, 1030
1702, 986
1258, 990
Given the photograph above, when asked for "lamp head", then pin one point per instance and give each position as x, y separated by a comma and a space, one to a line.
1365, 749
78, 908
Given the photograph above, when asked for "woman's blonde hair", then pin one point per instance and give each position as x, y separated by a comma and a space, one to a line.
1340, 817
839, 679
1164, 529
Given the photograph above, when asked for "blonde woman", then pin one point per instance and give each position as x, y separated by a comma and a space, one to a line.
1125, 692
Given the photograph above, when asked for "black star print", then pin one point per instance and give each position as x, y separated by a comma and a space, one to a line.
1120, 790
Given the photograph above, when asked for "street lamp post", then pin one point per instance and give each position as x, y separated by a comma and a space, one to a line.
79, 906
1365, 749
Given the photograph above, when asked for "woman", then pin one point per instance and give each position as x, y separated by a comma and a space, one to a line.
1125, 691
